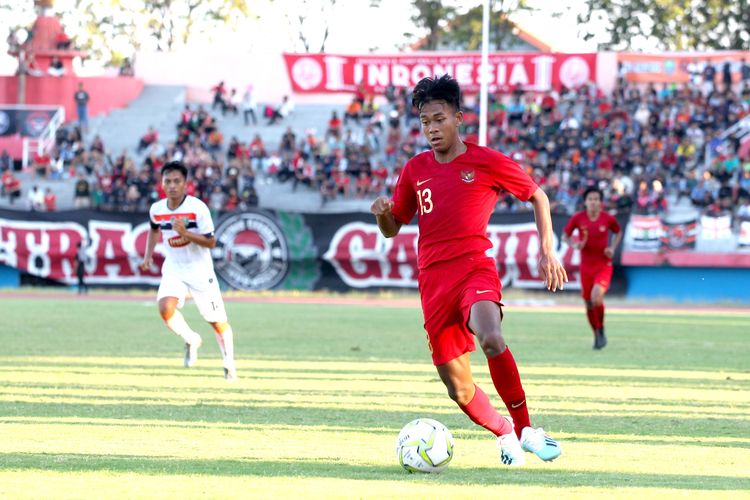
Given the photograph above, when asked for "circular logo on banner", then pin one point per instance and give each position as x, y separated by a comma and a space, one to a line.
35, 123
574, 72
677, 236
251, 252
4, 122
307, 73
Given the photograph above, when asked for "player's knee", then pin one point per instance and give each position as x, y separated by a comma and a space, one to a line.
166, 311
589, 304
492, 345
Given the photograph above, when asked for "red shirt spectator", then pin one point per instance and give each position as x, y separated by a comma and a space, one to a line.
50, 201
605, 163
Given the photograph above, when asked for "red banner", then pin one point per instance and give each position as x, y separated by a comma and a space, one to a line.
330, 73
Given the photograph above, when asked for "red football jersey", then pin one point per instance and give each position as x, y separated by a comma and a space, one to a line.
453, 201
595, 233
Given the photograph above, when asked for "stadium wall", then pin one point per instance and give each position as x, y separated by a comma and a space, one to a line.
701, 284
105, 93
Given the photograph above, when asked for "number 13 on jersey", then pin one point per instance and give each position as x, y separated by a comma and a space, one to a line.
424, 196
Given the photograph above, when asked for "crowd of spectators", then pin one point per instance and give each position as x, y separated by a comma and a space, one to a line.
644, 146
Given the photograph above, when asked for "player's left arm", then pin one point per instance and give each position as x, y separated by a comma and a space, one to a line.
610, 250
552, 270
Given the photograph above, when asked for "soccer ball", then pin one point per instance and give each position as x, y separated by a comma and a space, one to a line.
424, 445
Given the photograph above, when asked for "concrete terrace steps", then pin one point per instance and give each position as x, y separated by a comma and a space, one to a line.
160, 107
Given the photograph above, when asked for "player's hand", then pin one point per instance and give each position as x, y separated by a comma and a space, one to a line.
145, 266
609, 252
553, 272
178, 225
381, 206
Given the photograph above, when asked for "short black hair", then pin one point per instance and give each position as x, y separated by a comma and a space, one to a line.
444, 88
174, 165
593, 189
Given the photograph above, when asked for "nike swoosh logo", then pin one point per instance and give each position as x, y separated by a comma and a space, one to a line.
419, 183
518, 405
483, 291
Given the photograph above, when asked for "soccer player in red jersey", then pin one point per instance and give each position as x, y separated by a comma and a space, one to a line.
594, 226
453, 190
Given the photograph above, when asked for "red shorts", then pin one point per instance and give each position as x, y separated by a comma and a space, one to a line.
448, 290
590, 276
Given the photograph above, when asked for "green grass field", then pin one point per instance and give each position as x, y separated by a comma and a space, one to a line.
95, 403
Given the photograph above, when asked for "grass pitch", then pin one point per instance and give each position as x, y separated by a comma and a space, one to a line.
95, 403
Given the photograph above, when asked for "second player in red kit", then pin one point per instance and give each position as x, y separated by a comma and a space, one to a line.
594, 227
453, 190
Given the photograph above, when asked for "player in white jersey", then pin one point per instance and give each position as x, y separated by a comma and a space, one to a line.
188, 236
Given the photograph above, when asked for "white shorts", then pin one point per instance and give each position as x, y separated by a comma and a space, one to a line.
205, 292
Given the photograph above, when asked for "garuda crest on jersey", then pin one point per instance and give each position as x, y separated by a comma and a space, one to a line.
468, 176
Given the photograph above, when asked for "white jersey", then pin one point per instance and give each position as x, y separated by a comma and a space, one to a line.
182, 256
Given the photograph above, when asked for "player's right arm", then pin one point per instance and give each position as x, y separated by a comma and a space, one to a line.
151, 241
387, 223
567, 234
404, 202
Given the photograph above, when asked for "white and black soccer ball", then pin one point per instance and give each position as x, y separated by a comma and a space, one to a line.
424, 445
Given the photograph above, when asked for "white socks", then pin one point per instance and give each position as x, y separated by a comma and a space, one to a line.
226, 346
179, 326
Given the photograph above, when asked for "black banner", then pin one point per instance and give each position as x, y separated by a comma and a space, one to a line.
27, 122
260, 250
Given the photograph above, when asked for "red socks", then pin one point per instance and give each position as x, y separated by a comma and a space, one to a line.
481, 412
591, 315
507, 381
599, 313
595, 315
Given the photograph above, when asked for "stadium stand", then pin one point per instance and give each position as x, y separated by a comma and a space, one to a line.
651, 149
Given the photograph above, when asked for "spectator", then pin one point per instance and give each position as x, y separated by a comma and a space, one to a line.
27, 64
41, 164
282, 111
62, 41
82, 192
232, 103
149, 138
6, 161
726, 76
249, 105
81, 98
334, 124
219, 92
50, 201
126, 68
353, 111
744, 73
35, 199
11, 186
56, 67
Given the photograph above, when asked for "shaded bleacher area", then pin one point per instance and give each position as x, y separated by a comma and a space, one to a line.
651, 149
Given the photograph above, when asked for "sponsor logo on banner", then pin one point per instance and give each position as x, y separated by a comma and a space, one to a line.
326, 73
679, 236
251, 251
